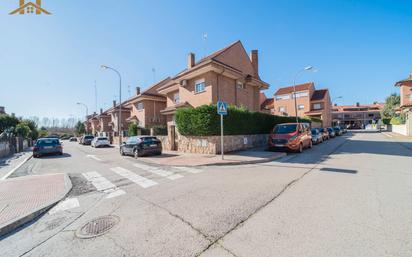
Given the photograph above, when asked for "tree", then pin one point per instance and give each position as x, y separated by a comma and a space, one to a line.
80, 129
392, 102
34, 134
132, 131
22, 130
7, 122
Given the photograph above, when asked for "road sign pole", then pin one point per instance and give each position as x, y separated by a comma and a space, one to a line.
221, 136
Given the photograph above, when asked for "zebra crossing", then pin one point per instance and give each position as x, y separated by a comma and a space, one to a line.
105, 184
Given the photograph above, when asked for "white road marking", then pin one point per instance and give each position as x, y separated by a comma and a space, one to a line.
160, 172
190, 170
93, 157
141, 181
98, 181
116, 193
67, 204
16, 168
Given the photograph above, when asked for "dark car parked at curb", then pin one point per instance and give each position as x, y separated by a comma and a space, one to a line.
138, 146
338, 130
343, 128
324, 133
87, 140
290, 136
331, 132
45, 146
317, 137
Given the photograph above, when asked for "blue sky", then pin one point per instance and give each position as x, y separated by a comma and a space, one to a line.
48, 63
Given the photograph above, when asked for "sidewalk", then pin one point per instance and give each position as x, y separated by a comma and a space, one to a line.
23, 199
13, 162
257, 155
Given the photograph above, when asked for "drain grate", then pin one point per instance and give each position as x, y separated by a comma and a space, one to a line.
97, 227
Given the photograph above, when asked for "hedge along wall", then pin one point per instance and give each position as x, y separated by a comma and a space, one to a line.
204, 121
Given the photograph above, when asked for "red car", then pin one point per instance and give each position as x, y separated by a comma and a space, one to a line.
291, 136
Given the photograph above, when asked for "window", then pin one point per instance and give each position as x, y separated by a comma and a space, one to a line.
317, 106
282, 97
301, 94
140, 106
282, 109
301, 107
176, 98
200, 86
240, 85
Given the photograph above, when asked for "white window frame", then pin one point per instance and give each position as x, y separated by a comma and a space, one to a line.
282, 97
240, 85
317, 104
282, 109
301, 107
198, 83
176, 98
140, 106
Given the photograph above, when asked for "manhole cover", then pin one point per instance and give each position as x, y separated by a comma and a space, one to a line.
97, 227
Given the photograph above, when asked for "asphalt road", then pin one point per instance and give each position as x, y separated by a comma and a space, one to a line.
350, 196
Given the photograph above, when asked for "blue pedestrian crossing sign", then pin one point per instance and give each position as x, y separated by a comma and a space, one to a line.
221, 108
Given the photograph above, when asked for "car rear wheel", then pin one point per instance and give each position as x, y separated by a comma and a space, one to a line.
136, 153
121, 152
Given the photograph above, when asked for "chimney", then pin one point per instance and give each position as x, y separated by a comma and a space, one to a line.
38, 3
254, 59
137, 90
114, 103
357, 104
101, 110
190, 60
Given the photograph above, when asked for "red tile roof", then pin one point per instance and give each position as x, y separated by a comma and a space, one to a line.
349, 108
319, 94
288, 90
267, 104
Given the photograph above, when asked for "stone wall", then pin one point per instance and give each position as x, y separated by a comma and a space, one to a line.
4, 148
211, 144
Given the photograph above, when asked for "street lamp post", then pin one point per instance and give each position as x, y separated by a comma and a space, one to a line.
119, 116
308, 68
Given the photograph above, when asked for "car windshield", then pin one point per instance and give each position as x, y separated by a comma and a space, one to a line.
284, 129
89, 137
314, 131
322, 130
330, 129
47, 142
102, 138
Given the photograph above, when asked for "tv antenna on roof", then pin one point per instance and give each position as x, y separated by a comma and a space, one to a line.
204, 44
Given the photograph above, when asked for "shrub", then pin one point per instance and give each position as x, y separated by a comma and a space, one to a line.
204, 121
396, 121
132, 130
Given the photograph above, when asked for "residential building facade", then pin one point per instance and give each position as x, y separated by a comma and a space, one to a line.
309, 101
405, 87
145, 106
357, 116
228, 75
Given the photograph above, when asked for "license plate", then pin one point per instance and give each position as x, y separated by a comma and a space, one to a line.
279, 145
48, 147
153, 145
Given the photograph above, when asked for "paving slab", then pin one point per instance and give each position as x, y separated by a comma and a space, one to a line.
25, 198
172, 158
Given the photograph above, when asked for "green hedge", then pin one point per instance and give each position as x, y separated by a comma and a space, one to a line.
204, 121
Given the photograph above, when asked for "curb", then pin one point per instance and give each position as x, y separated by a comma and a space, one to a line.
17, 167
20, 222
233, 163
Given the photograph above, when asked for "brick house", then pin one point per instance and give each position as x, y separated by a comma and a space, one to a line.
228, 75
102, 126
145, 106
113, 114
356, 116
405, 87
310, 102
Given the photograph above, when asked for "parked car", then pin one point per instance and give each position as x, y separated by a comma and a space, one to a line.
338, 130
73, 139
138, 146
325, 133
100, 142
290, 136
46, 146
87, 140
317, 137
343, 128
331, 132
